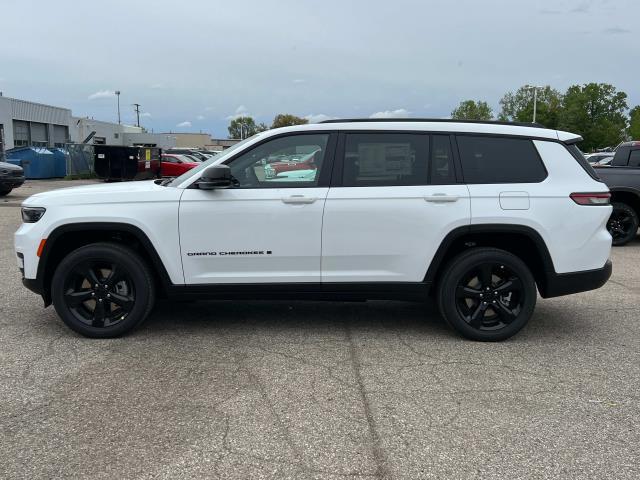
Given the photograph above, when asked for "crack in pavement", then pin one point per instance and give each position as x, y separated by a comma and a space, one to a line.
382, 469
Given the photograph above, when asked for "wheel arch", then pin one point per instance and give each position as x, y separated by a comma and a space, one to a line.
627, 195
66, 238
520, 240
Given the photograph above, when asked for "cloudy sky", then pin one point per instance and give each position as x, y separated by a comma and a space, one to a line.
193, 64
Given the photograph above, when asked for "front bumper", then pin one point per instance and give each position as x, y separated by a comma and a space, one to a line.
558, 284
11, 182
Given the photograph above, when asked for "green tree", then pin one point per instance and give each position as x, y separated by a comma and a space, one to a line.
596, 111
518, 106
287, 120
634, 123
243, 127
470, 110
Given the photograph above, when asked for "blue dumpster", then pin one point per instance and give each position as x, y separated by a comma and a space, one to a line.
60, 162
36, 162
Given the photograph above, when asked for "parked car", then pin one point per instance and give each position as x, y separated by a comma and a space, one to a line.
187, 151
508, 212
174, 165
11, 176
603, 158
298, 162
622, 176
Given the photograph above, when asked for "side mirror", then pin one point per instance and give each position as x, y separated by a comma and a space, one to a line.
216, 176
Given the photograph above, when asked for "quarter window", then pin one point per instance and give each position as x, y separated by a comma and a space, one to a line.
292, 161
499, 160
385, 159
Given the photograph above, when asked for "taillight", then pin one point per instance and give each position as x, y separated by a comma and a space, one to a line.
591, 198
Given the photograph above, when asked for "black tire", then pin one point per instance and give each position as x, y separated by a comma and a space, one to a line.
4, 191
622, 224
107, 273
479, 280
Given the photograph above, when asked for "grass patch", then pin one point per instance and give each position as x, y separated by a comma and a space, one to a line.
81, 176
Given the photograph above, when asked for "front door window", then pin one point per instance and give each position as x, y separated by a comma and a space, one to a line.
292, 161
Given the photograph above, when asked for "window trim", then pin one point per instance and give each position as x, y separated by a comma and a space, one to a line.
529, 139
457, 169
327, 162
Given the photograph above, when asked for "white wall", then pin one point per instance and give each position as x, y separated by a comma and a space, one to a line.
80, 128
160, 139
7, 121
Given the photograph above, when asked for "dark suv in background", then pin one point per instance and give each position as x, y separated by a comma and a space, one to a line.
11, 176
622, 176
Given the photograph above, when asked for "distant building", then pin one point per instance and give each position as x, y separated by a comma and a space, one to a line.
107, 133
201, 140
24, 123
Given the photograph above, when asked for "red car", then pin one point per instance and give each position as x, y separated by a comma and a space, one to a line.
174, 165
307, 162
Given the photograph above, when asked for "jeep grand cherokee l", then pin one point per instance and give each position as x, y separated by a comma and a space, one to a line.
477, 215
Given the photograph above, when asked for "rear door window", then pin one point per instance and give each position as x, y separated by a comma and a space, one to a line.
634, 158
385, 159
487, 159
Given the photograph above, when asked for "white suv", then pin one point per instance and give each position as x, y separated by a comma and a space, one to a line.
474, 214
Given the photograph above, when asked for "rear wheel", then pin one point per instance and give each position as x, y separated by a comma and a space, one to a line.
102, 290
487, 294
622, 224
5, 191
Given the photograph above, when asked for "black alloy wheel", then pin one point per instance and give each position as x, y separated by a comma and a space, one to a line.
102, 290
622, 224
487, 294
99, 294
489, 297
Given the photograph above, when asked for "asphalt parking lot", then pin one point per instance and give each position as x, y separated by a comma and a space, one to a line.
319, 390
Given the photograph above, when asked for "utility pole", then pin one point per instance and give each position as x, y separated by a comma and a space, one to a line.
535, 102
137, 109
118, 95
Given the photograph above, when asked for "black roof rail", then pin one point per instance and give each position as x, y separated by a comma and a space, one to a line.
434, 120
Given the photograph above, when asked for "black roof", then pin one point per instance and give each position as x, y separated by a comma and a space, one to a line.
433, 120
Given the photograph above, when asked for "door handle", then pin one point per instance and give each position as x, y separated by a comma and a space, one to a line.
298, 199
441, 198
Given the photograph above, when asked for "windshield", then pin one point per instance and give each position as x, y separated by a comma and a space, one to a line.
196, 171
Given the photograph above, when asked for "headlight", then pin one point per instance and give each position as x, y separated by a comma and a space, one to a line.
32, 214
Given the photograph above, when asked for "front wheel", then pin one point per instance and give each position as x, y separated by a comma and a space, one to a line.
102, 290
5, 191
622, 224
487, 294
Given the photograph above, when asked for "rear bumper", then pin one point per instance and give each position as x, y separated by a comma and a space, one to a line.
558, 284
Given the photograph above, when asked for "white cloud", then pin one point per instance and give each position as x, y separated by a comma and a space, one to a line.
101, 94
145, 115
318, 117
185, 124
157, 86
299, 80
208, 109
241, 111
399, 113
200, 117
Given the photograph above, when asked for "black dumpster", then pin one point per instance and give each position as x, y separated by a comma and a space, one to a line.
114, 162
